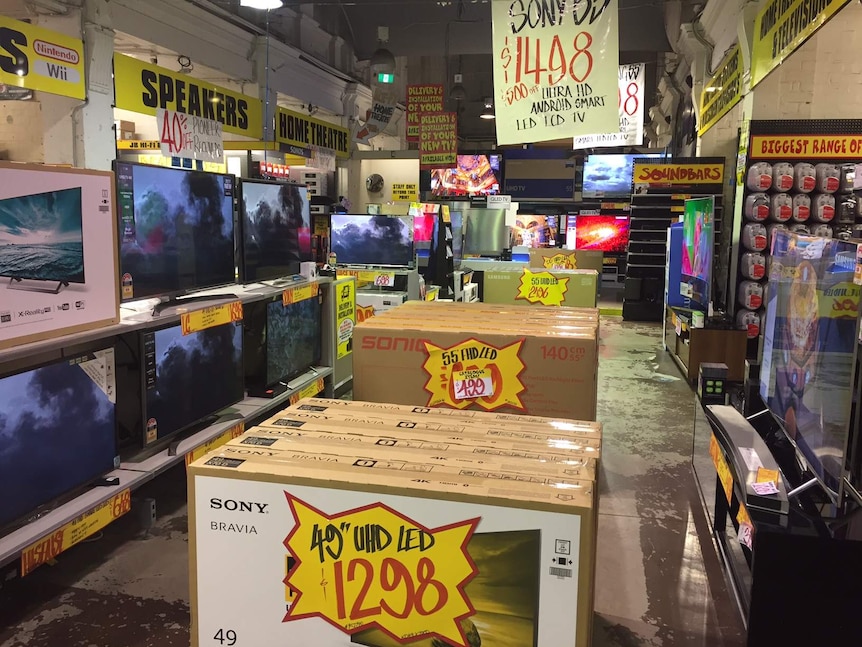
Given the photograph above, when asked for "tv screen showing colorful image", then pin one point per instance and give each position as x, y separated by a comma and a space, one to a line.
57, 433
609, 234
698, 246
379, 241
809, 347
423, 227
176, 230
610, 175
535, 231
275, 219
472, 175
504, 594
42, 237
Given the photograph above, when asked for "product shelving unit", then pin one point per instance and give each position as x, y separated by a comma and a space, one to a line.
134, 473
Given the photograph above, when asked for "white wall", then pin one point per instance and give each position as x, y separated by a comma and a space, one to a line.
394, 171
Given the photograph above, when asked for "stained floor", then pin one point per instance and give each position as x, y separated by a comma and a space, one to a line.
658, 580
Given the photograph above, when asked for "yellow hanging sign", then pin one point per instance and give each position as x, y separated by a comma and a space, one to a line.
722, 91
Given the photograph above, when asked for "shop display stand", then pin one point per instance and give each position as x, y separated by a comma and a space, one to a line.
133, 473
803, 135
441, 262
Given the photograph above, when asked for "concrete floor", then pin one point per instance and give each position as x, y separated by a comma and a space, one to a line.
658, 583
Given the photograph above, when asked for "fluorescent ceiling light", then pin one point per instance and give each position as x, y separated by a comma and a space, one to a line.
262, 4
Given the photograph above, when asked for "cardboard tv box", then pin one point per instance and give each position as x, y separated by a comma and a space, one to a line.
578, 288
522, 369
58, 252
260, 446
489, 424
292, 553
567, 259
464, 456
519, 309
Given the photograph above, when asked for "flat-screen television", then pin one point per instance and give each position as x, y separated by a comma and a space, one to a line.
809, 348
485, 232
698, 246
472, 175
423, 227
535, 231
504, 594
275, 229
457, 220
281, 341
176, 230
42, 237
378, 241
188, 378
57, 433
610, 176
608, 234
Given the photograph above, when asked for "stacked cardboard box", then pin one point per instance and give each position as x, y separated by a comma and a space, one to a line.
538, 361
572, 288
351, 523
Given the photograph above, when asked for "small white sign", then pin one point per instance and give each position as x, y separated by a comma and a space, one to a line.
472, 384
631, 107
182, 135
499, 201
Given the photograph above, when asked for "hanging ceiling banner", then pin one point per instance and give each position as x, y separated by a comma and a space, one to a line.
295, 129
380, 116
421, 99
555, 68
145, 88
182, 135
782, 26
722, 91
631, 111
438, 145
36, 58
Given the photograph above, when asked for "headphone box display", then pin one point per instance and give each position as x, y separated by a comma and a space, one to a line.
58, 252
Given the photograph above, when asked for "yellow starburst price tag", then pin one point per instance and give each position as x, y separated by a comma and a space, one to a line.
542, 287
374, 567
560, 262
447, 366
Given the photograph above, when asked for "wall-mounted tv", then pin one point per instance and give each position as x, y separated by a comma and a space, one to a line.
698, 245
610, 176
188, 378
809, 348
378, 241
57, 433
176, 230
609, 234
275, 229
281, 341
42, 237
472, 175
535, 231
504, 601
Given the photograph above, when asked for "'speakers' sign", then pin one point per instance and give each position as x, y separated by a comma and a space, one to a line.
145, 88
35, 58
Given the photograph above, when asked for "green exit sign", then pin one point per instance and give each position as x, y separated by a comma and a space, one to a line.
382, 77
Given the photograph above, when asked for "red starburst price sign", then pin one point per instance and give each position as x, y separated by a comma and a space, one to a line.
373, 567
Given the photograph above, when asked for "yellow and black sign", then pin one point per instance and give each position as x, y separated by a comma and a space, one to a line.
144, 88
139, 145
35, 58
722, 91
664, 175
408, 192
765, 147
782, 26
295, 129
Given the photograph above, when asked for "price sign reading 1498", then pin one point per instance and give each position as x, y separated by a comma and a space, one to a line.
530, 60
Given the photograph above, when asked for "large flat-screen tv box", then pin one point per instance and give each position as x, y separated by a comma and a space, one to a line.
576, 288
379, 301
58, 252
341, 555
492, 364
567, 259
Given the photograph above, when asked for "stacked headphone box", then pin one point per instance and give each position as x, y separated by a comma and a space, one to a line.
818, 199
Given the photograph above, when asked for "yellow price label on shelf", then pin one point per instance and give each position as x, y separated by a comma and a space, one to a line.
303, 293
222, 439
721, 467
416, 575
49, 547
206, 318
380, 279
309, 391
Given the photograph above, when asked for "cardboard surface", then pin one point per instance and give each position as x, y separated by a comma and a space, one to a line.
66, 240
576, 288
580, 259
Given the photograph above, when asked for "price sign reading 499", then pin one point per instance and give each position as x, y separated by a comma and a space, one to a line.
555, 68
375, 568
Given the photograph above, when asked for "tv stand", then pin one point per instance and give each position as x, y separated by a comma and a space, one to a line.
18, 284
690, 347
178, 302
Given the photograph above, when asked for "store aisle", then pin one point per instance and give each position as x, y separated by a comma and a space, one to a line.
130, 589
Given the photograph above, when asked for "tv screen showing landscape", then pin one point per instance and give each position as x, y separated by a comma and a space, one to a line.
610, 175
57, 433
276, 229
385, 241
176, 230
42, 236
292, 339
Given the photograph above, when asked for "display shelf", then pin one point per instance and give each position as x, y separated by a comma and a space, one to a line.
13, 544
